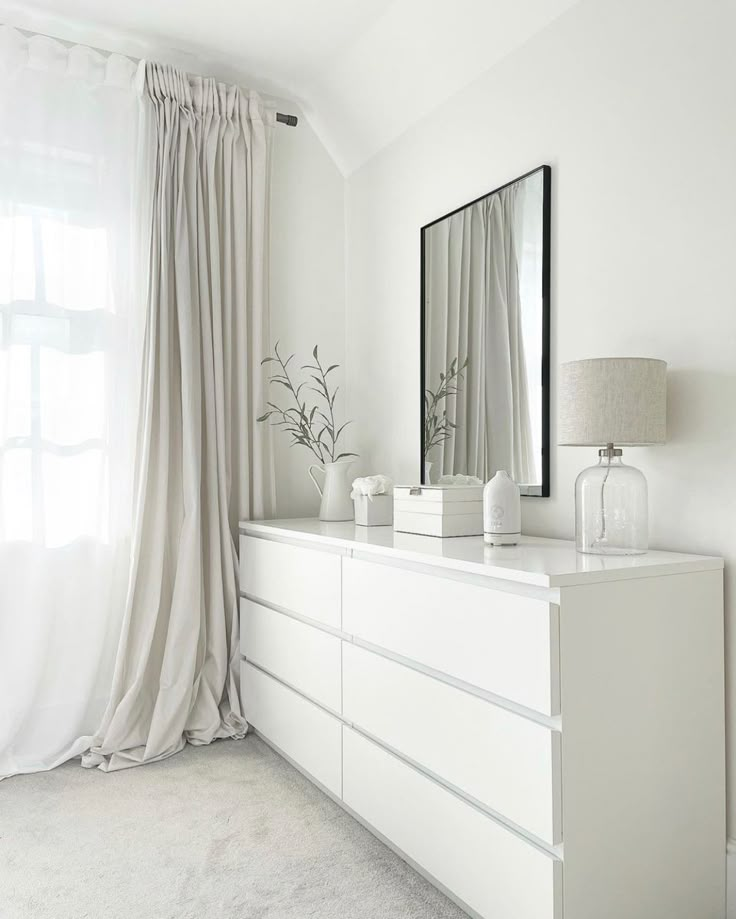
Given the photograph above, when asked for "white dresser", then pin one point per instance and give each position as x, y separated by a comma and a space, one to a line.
539, 732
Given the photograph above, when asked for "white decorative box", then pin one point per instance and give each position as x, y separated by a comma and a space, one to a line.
374, 511
439, 510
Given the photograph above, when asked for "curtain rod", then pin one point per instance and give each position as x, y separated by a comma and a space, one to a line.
291, 121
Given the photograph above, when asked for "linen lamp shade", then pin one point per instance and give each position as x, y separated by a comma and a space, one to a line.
613, 400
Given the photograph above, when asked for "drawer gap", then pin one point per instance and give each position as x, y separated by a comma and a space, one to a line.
556, 851
553, 722
315, 623
299, 692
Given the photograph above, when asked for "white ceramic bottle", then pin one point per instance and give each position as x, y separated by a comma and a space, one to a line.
501, 511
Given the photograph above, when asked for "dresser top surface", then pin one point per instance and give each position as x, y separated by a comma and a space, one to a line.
537, 561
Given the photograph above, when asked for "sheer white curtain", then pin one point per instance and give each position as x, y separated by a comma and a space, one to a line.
68, 373
529, 231
508, 421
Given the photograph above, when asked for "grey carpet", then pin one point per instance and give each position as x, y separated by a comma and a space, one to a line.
218, 832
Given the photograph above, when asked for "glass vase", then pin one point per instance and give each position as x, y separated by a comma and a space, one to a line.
611, 513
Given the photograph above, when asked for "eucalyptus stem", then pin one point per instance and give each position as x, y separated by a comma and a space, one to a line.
313, 428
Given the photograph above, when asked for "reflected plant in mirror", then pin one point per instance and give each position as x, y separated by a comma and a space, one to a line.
437, 426
485, 296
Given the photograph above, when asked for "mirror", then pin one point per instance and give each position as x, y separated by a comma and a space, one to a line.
485, 337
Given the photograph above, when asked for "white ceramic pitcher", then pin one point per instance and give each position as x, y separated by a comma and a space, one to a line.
336, 502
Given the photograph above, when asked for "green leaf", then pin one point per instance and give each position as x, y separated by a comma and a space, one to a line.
340, 456
268, 360
264, 417
342, 428
315, 353
320, 393
331, 367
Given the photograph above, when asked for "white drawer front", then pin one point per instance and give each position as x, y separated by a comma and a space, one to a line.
502, 642
301, 655
305, 581
507, 762
300, 729
489, 868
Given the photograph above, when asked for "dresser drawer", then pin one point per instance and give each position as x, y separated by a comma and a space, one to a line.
492, 870
505, 761
303, 656
300, 729
305, 581
502, 642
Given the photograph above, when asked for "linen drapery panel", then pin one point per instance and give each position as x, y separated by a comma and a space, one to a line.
134, 310
202, 463
474, 311
69, 358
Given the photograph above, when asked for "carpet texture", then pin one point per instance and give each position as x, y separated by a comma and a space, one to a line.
230, 830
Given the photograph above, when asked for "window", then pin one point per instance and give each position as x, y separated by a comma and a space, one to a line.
57, 313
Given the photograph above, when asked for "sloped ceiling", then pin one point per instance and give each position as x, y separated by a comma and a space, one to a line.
362, 71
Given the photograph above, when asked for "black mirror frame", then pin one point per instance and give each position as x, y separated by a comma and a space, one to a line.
544, 490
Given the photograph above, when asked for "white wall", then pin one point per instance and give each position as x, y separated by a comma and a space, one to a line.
307, 283
633, 106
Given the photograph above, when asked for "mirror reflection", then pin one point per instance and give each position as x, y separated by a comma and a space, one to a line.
485, 363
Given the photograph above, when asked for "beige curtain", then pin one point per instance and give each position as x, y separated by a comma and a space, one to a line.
202, 462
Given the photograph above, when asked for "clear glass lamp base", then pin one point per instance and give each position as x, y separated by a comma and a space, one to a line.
611, 513
605, 547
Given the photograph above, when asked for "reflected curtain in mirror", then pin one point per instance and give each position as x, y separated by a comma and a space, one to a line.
485, 328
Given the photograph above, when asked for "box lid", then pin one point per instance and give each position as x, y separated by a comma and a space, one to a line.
439, 494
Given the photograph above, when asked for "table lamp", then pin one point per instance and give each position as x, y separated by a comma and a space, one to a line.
610, 403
